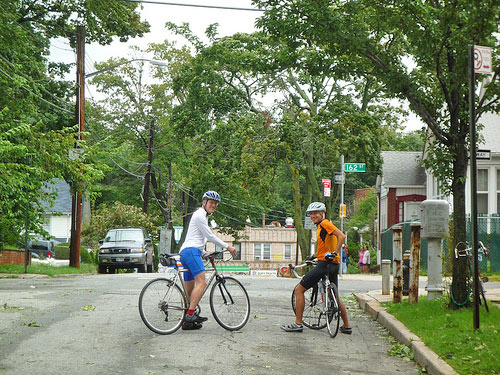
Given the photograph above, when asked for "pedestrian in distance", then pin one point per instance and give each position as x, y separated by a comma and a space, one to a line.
329, 240
345, 258
361, 256
366, 260
191, 253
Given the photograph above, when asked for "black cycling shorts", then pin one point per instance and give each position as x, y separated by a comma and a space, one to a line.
323, 268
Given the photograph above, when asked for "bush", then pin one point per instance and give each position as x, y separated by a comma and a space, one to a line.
118, 216
62, 250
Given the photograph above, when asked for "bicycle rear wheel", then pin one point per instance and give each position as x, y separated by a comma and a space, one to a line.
162, 306
313, 316
333, 310
481, 291
229, 303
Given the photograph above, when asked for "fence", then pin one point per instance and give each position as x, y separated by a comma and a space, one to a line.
488, 231
488, 228
386, 244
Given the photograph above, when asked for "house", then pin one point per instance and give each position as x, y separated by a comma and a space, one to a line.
57, 217
270, 247
404, 183
488, 170
400, 188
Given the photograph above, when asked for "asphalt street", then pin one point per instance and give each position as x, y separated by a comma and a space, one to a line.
91, 325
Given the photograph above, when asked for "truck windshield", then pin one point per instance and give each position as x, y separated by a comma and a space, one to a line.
124, 235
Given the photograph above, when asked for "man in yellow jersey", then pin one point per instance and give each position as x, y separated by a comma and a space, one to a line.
329, 240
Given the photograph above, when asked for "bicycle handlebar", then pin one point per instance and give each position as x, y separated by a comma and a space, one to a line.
467, 250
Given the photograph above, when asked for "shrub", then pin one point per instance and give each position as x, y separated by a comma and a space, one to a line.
117, 216
62, 250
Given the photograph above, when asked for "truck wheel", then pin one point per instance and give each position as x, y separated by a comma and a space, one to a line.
150, 268
141, 268
101, 269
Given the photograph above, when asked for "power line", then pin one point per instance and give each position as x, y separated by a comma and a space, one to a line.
193, 5
32, 93
128, 172
12, 66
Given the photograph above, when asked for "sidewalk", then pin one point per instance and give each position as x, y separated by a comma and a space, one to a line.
425, 357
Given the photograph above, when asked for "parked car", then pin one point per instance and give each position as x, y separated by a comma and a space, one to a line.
126, 248
41, 248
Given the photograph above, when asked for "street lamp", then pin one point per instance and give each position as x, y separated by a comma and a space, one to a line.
76, 206
154, 62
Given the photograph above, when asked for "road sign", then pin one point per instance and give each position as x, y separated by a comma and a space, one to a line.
339, 178
354, 167
308, 223
327, 185
482, 59
342, 210
483, 154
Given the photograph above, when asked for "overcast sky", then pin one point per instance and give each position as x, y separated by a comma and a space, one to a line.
230, 22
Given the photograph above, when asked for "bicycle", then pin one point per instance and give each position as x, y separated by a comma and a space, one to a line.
163, 304
322, 307
463, 249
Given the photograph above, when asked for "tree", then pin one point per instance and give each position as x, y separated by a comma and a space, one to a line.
431, 36
36, 116
313, 122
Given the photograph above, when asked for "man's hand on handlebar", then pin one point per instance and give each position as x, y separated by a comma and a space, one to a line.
232, 250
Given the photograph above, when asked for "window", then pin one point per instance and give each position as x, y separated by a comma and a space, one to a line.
262, 251
482, 191
237, 246
288, 251
219, 256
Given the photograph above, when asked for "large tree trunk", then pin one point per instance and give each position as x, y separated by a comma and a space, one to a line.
189, 208
303, 235
460, 266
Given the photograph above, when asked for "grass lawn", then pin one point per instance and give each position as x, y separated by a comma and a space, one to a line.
451, 335
46, 269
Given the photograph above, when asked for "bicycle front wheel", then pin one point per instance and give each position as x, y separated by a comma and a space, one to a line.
162, 306
229, 303
313, 316
333, 310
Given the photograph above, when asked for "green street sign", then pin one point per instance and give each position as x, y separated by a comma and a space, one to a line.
354, 167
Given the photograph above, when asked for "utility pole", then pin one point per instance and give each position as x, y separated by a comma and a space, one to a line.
473, 184
76, 206
147, 178
342, 191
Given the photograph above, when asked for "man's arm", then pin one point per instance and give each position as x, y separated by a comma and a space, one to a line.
340, 239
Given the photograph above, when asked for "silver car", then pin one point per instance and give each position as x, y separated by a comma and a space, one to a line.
126, 248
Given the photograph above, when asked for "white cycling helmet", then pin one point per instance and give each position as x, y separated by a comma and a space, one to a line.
211, 195
316, 206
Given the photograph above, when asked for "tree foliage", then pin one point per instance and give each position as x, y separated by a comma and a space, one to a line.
417, 51
118, 215
36, 109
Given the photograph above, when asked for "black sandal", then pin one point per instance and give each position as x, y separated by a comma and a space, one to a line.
346, 330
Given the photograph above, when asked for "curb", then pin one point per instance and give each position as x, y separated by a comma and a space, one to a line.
424, 356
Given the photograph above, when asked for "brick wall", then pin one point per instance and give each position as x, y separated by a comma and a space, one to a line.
8, 256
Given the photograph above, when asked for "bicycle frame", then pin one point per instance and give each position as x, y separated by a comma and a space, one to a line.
215, 275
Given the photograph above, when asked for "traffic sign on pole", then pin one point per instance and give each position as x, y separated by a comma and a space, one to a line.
482, 59
354, 167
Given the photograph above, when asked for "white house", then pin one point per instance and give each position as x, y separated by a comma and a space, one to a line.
57, 218
488, 171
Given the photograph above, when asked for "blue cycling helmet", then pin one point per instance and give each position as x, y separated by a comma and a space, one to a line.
212, 195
